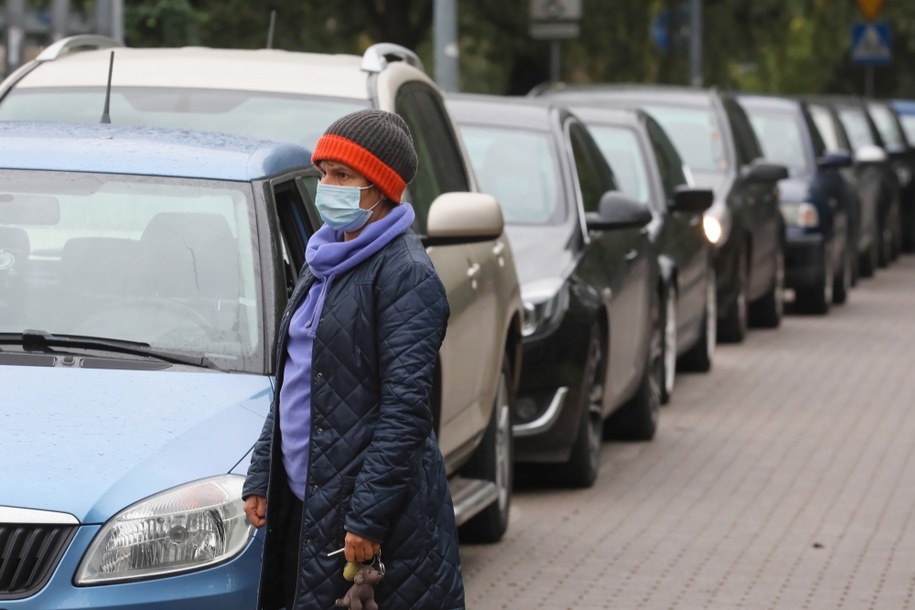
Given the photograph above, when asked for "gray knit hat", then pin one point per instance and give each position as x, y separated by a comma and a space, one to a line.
375, 143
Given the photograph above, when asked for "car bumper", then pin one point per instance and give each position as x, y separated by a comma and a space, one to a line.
805, 260
227, 586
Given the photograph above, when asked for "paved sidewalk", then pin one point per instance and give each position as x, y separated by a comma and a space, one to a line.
784, 479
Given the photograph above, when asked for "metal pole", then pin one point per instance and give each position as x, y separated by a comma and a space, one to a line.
555, 61
15, 33
117, 20
446, 46
695, 43
869, 81
103, 17
60, 16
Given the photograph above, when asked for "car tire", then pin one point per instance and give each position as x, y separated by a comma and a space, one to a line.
841, 285
885, 247
669, 345
732, 328
867, 261
494, 461
581, 469
816, 299
767, 311
700, 356
637, 420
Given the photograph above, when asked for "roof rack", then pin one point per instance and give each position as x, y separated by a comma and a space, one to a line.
379, 55
73, 44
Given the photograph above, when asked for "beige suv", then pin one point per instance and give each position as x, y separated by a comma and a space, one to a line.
282, 95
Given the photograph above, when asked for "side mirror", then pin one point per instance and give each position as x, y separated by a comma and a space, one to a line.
870, 153
761, 170
617, 211
835, 159
463, 217
691, 200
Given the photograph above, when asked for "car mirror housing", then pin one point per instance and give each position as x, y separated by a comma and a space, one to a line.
869, 153
617, 211
461, 217
761, 170
691, 200
834, 159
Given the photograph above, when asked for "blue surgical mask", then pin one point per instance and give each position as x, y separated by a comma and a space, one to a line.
339, 207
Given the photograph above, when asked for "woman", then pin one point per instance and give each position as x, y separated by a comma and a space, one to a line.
348, 457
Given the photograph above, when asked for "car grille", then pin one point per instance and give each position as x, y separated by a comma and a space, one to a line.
28, 556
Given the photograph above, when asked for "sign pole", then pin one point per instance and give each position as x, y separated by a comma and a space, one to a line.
869, 81
555, 61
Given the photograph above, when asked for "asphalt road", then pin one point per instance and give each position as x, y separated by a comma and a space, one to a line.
783, 479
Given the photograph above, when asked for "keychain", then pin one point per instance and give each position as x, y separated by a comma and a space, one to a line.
364, 576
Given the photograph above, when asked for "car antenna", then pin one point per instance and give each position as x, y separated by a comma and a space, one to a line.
270, 29
105, 117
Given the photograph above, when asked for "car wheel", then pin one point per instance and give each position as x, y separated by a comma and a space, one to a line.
700, 356
842, 282
817, 299
767, 311
867, 261
493, 461
669, 360
637, 420
584, 459
732, 328
884, 251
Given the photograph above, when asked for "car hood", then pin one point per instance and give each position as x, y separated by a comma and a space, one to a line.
540, 252
795, 189
91, 442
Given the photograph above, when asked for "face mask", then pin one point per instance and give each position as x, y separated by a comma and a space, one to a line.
339, 207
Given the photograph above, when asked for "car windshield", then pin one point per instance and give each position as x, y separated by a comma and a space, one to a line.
294, 118
695, 133
519, 169
622, 151
162, 261
781, 138
826, 127
855, 124
908, 124
886, 125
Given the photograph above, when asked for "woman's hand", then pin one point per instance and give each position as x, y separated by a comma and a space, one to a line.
256, 510
356, 548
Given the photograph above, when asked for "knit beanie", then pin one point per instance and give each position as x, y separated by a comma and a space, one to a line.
375, 143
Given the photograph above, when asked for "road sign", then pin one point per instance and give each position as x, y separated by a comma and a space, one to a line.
555, 19
870, 8
871, 43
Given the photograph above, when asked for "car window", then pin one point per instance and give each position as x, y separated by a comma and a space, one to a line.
782, 138
519, 169
826, 126
273, 116
441, 165
696, 134
594, 174
886, 125
908, 124
167, 262
746, 144
296, 225
670, 164
856, 127
620, 147
816, 139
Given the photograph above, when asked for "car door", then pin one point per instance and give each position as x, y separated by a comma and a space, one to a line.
472, 350
623, 255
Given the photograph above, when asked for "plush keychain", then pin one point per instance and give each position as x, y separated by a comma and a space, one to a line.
361, 596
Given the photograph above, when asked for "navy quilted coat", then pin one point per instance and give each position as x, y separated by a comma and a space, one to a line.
375, 468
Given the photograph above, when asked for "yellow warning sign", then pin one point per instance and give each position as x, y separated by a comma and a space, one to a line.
870, 8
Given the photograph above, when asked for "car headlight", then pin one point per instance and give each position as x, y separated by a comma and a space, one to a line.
716, 224
803, 215
185, 528
544, 303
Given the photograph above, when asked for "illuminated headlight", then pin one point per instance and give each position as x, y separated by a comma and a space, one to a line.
716, 224
803, 215
544, 303
185, 528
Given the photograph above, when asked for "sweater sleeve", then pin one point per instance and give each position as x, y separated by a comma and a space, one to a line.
412, 313
259, 469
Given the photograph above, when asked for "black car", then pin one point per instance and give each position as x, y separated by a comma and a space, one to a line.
649, 169
589, 282
815, 200
714, 137
902, 158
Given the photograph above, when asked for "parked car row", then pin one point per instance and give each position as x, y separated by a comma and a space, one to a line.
593, 241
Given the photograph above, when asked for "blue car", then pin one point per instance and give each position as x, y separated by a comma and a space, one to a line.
142, 272
815, 201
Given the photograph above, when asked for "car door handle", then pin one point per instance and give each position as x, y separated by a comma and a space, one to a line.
498, 249
632, 255
473, 270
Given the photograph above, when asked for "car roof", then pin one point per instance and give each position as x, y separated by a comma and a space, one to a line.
616, 93
118, 149
769, 102
508, 111
904, 106
268, 70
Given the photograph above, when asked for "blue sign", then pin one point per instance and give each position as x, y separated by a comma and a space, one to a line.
871, 43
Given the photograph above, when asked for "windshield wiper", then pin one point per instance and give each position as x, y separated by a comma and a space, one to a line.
43, 341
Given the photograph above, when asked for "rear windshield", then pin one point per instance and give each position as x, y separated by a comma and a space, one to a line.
292, 118
696, 134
